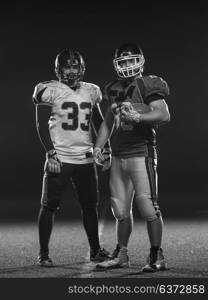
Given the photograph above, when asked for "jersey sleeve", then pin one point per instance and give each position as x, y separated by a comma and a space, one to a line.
43, 95
155, 88
96, 94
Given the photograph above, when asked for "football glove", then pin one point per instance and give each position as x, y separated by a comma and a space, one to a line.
128, 113
52, 164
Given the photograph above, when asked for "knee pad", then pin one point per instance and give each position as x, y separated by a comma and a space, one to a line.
147, 208
120, 212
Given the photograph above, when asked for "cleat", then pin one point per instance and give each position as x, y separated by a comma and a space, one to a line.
155, 262
121, 261
115, 252
100, 255
45, 261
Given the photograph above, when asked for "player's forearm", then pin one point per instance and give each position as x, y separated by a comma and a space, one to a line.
103, 135
97, 120
44, 137
42, 115
155, 117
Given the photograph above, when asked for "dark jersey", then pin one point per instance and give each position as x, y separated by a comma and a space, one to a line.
130, 140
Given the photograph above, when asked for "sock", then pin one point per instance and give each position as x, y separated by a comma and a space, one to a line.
155, 229
124, 229
154, 248
45, 225
90, 222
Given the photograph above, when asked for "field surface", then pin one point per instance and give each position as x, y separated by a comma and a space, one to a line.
185, 244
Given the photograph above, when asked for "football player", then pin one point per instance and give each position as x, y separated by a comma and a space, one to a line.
64, 111
136, 107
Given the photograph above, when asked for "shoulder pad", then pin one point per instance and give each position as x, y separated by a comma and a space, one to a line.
155, 85
94, 92
94, 86
97, 93
42, 93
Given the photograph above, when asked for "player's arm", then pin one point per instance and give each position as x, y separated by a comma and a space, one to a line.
155, 92
105, 130
43, 113
42, 98
103, 136
97, 119
104, 157
159, 113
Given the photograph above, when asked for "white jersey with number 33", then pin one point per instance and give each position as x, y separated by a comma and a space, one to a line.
69, 123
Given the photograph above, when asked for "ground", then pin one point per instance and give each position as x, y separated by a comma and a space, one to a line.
185, 244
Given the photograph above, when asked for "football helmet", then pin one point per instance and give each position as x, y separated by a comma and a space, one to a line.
129, 60
69, 67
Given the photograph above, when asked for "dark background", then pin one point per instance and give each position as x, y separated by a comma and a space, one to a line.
174, 40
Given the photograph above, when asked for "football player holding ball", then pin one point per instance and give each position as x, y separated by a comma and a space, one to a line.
136, 106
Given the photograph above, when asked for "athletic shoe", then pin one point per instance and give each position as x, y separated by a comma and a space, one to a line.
44, 261
99, 256
155, 262
122, 261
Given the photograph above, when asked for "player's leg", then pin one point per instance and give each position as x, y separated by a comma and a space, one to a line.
144, 177
53, 185
86, 183
121, 202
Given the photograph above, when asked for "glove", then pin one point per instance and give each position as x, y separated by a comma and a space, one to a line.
128, 113
52, 164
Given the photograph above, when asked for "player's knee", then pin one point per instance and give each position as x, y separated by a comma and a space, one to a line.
152, 215
45, 208
148, 211
50, 204
120, 213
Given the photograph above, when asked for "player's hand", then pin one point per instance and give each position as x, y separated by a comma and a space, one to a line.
107, 159
97, 156
128, 113
102, 158
52, 164
126, 106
